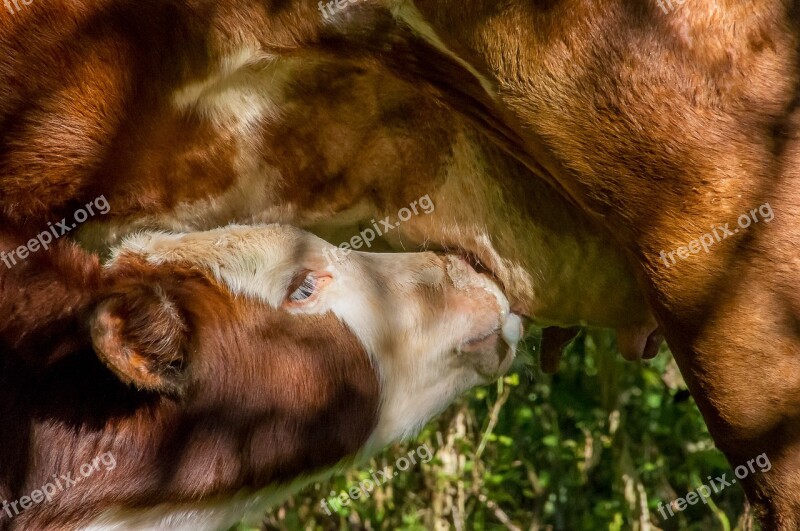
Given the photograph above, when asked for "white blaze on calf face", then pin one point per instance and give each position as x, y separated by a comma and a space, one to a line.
433, 326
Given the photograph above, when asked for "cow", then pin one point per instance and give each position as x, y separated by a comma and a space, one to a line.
196, 377
181, 127
674, 126
187, 116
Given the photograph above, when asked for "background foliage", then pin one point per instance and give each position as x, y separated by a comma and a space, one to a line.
596, 446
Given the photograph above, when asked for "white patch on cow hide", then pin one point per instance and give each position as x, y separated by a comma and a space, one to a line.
244, 94
236, 92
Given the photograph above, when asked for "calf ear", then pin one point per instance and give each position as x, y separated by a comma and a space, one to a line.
139, 334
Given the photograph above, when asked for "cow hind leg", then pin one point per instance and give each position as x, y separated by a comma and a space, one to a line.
743, 367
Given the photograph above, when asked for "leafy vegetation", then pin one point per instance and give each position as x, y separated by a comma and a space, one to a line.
597, 446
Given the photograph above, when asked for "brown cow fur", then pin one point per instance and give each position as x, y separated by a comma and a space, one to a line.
661, 125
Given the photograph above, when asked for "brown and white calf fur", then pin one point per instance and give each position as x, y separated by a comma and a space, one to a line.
660, 124
188, 116
208, 371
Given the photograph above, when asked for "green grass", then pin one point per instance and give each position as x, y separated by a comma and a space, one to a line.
596, 446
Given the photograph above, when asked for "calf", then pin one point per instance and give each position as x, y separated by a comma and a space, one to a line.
209, 366
664, 126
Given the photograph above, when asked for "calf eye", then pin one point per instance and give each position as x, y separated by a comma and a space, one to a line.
305, 290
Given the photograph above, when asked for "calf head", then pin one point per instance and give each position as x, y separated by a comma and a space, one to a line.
245, 358
430, 325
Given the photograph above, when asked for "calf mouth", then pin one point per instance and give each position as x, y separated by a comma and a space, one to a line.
493, 353
510, 332
493, 349
485, 342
